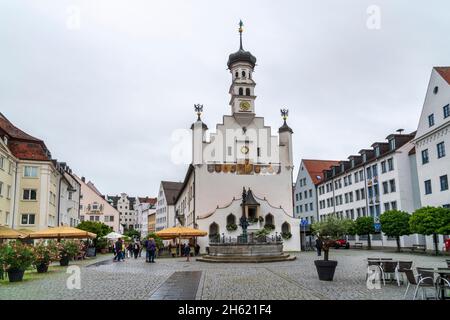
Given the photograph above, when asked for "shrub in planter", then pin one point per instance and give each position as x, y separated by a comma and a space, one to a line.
269, 227
67, 250
44, 254
231, 227
16, 257
286, 235
253, 220
328, 231
102, 245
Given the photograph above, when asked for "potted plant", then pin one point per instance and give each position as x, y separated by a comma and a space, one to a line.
328, 231
252, 220
44, 254
231, 227
286, 235
102, 245
67, 250
16, 257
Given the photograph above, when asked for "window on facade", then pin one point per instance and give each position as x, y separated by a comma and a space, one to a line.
311, 206
29, 194
374, 170
361, 175
390, 162
425, 158
247, 91
231, 219
363, 195
394, 205
444, 182
241, 91
385, 187
28, 218
310, 193
446, 110
428, 187
306, 194
440, 150
369, 173
392, 144
386, 206
392, 185
383, 166
30, 172
431, 120
356, 177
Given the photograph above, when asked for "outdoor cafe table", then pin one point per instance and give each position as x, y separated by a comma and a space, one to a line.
442, 272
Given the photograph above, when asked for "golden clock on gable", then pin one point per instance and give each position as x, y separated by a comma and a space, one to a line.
244, 106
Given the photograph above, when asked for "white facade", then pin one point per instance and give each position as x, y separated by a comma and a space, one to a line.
241, 153
165, 205
144, 207
69, 198
94, 207
378, 180
432, 143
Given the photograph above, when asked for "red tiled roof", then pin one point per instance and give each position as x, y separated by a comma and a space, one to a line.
315, 168
28, 150
21, 144
444, 72
13, 131
151, 201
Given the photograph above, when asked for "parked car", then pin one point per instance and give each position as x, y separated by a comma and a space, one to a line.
341, 243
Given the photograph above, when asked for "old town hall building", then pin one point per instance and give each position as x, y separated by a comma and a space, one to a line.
242, 154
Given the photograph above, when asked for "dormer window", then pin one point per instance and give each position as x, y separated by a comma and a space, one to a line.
353, 163
364, 157
342, 167
377, 151
5, 140
392, 144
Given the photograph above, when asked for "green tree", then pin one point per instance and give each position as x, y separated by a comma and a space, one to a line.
99, 228
330, 230
132, 234
395, 223
431, 221
365, 226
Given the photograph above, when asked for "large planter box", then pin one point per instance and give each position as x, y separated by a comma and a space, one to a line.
325, 269
90, 252
15, 275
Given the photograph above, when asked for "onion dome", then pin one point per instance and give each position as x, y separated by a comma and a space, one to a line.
241, 55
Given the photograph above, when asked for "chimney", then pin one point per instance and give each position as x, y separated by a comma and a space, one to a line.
83, 179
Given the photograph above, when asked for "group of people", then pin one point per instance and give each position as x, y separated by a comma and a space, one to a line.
133, 249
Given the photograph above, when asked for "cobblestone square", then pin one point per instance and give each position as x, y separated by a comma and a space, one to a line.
295, 280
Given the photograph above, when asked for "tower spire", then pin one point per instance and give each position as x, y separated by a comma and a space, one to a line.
241, 24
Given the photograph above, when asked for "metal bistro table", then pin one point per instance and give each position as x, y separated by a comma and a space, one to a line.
442, 272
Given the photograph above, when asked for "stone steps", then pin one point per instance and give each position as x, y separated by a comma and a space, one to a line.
246, 259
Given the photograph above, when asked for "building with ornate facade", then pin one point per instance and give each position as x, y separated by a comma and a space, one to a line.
242, 154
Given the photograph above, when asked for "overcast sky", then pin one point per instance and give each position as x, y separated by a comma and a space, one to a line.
106, 83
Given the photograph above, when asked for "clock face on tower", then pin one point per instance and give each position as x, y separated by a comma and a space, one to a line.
244, 106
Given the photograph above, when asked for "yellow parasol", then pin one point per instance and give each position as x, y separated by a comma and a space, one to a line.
8, 233
180, 233
62, 232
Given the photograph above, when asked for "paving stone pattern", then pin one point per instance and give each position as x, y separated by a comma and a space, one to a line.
166, 279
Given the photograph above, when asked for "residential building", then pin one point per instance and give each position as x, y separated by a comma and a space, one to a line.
143, 207
378, 179
165, 205
94, 206
151, 221
7, 181
432, 144
310, 175
125, 205
69, 197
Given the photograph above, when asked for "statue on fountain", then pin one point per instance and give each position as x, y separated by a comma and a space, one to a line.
243, 221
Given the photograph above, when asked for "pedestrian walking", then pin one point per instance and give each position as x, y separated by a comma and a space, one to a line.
187, 251
136, 249
151, 248
319, 245
118, 250
129, 250
197, 249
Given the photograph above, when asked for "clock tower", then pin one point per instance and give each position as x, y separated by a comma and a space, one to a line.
242, 90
